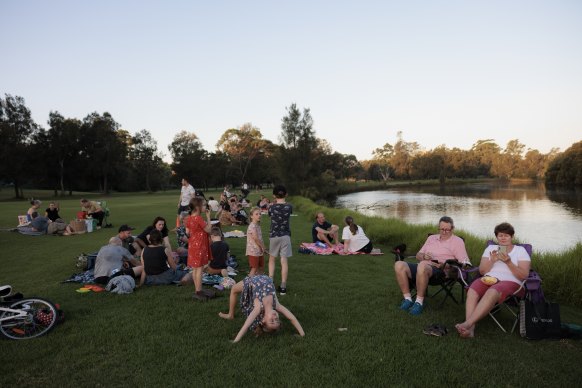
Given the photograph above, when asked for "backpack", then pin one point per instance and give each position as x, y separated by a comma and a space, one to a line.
534, 287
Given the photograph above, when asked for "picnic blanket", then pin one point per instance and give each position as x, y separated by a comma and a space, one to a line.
322, 249
28, 231
83, 277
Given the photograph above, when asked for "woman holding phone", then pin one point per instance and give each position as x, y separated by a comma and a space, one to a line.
504, 267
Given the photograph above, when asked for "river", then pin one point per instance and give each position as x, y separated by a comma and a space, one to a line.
551, 220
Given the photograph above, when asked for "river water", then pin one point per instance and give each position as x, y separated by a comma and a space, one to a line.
550, 220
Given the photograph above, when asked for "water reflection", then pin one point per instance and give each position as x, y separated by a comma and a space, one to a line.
550, 220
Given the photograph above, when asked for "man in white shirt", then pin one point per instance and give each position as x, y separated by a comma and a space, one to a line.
186, 194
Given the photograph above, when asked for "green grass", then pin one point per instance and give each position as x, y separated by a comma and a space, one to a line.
158, 336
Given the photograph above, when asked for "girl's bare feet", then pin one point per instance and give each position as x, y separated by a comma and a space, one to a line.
226, 316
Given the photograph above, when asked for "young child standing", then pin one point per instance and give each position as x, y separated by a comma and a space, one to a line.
198, 244
219, 251
280, 235
255, 245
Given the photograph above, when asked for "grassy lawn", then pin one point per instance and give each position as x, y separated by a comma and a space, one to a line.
159, 336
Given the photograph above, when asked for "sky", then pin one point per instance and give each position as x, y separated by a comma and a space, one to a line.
441, 72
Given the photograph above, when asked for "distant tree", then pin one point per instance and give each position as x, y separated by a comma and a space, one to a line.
105, 147
382, 158
190, 159
62, 148
508, 164
404, 152
17, 131
566, 169
242, 145
298, 146
486, 152
147, 160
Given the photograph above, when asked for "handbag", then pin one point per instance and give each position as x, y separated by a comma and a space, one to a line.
539, 320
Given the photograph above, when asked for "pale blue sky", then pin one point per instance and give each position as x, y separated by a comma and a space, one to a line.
443, 72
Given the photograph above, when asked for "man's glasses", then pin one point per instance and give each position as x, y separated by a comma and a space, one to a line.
445, 230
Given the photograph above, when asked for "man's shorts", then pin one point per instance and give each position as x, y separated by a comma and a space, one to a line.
280, 246
257, 261
183, 209
506, 288
170, 276
436, 274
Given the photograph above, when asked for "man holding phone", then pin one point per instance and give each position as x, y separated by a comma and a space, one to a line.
437, 249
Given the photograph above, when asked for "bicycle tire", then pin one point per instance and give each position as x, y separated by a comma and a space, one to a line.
41, 317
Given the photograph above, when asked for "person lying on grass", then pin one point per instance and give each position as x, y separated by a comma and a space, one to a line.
259, 303
504, 267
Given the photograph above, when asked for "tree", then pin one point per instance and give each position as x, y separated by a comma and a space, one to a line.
401, 159
147, 161
62, 145
105, 147
242, 145
566, 169
17, 131
298, 143
486, 152
507, 165
190, 160
382, 158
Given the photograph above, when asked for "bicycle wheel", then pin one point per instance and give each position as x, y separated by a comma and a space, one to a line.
41, 316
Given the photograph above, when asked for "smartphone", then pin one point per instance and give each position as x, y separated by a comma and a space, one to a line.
503, 248
435, 261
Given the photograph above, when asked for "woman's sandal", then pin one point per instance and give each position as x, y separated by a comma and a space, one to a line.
436, 330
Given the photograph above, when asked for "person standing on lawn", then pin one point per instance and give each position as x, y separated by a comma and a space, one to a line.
186, 194
280, 235
255, 245
198, 243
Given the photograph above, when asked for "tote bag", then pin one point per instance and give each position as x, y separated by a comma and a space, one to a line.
539, 320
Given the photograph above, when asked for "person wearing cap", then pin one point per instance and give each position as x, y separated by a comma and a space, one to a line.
113, 259
124, 234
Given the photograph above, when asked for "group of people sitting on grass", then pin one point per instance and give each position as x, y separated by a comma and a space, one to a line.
52, 223
504, 265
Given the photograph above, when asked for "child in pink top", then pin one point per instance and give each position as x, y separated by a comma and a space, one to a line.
255, 246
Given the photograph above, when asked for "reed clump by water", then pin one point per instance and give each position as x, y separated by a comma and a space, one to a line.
561, 272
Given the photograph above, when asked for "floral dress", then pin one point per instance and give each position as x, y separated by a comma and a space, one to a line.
198, 244
256, 287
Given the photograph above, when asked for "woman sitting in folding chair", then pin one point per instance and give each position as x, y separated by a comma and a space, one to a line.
504, 268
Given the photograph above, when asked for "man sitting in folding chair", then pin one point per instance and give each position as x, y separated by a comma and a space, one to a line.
432, 257
504, 268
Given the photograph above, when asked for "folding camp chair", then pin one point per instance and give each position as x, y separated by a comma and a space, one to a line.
446, 284
106, 213
512, 303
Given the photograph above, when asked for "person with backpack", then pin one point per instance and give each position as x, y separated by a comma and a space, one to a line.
504, 268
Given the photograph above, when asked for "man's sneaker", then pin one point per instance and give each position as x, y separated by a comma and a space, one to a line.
406, 304
416, 309
282, 290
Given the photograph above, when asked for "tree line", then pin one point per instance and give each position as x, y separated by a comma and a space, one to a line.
96, 154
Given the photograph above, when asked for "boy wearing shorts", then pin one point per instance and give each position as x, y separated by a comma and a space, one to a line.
280, 235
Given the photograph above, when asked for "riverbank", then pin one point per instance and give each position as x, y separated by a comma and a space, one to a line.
347, 187
561, 272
